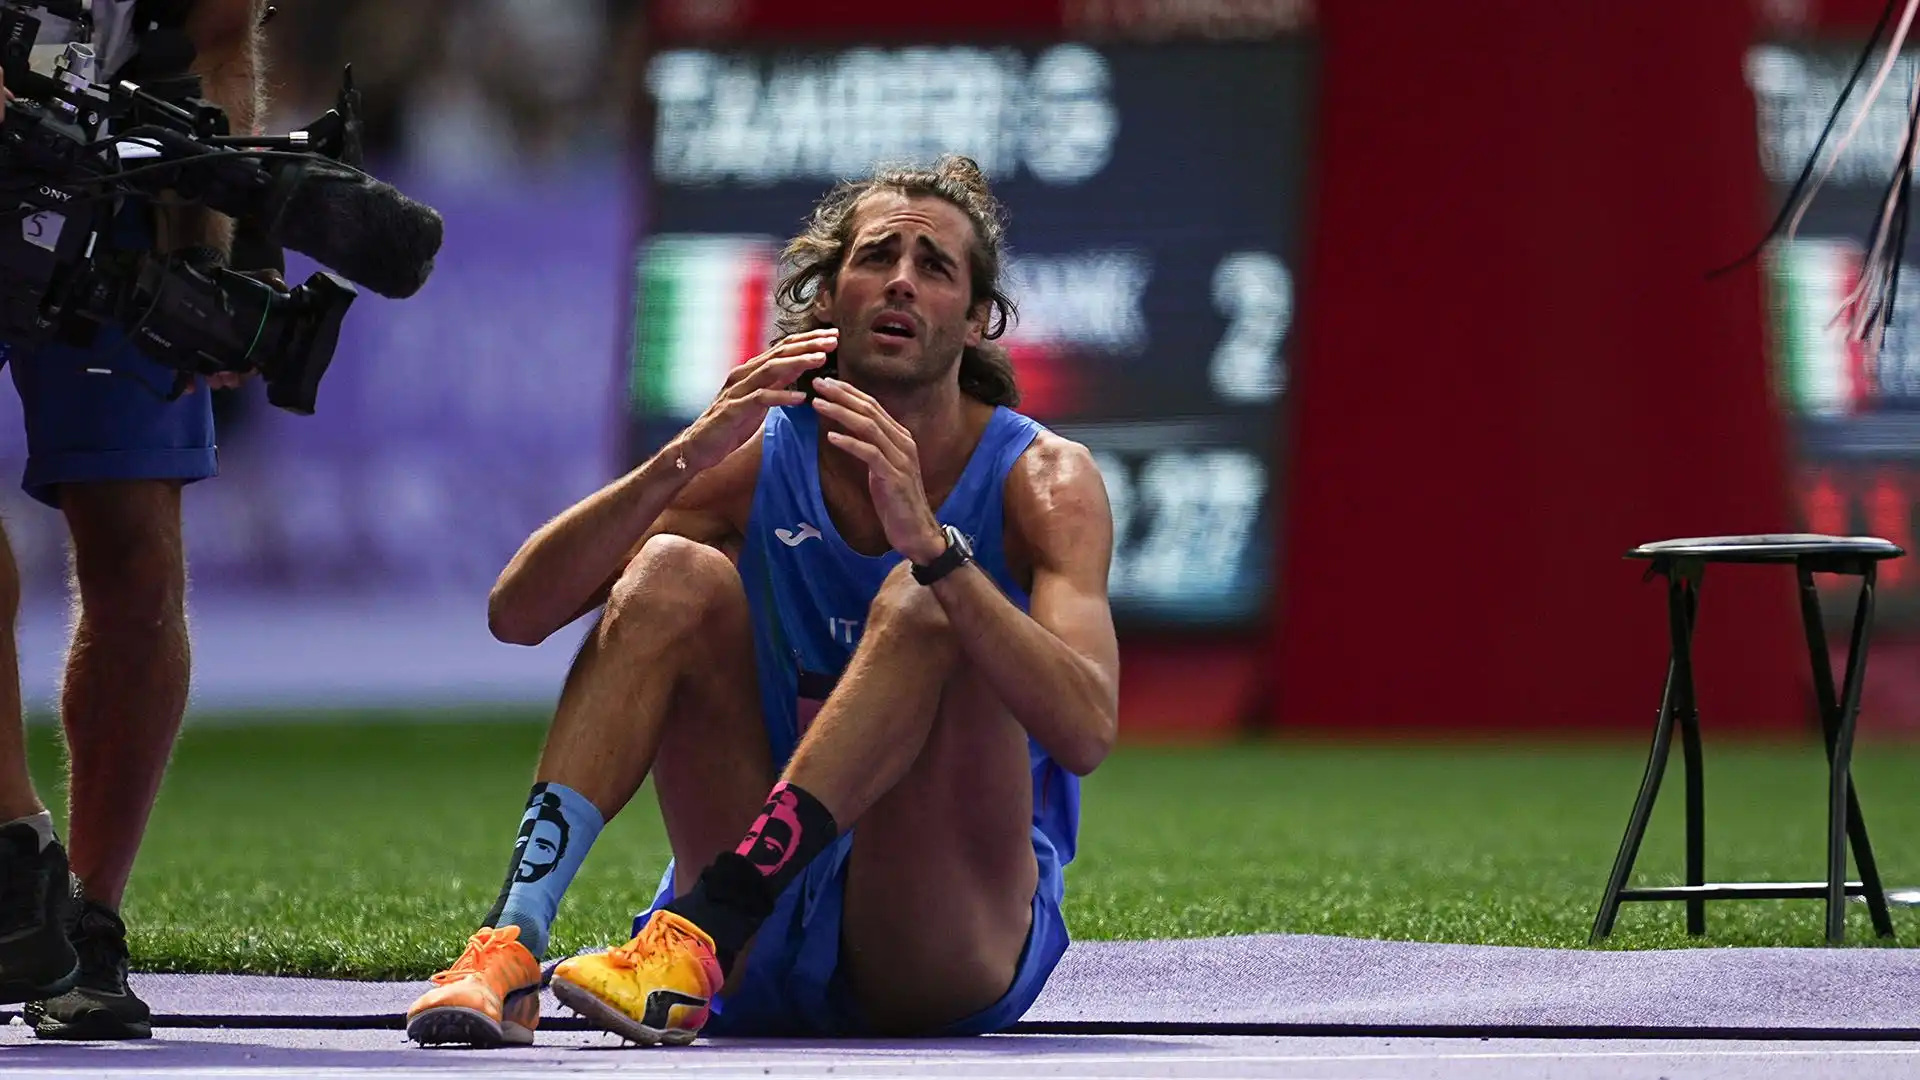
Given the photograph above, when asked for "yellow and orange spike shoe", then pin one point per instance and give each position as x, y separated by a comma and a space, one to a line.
490, 996
654, 989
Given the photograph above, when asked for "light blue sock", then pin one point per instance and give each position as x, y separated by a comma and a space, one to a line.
560, 824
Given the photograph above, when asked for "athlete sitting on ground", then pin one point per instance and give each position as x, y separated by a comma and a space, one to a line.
785, 609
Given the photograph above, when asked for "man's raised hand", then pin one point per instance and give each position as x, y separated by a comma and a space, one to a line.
893, 467
750, 390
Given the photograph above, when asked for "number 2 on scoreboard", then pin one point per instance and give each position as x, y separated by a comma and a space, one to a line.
1255, 293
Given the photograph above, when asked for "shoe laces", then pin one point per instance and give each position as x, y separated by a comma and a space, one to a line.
480, 947
101, 940
659, 934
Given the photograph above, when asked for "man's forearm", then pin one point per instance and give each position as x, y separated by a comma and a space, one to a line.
229, 64
566, 561
231, 69
1063, 699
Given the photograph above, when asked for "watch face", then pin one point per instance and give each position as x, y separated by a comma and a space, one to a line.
959, 540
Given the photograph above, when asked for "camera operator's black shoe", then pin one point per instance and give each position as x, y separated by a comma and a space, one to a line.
101, 1005
36, 957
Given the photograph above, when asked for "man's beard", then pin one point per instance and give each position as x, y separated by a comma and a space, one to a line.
877, 373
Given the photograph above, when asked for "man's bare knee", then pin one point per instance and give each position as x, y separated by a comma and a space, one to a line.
666, 622
672, 588
131, 586
127, 555
9, 585
906, 610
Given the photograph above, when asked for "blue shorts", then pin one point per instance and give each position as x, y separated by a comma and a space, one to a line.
793, 985
84, 425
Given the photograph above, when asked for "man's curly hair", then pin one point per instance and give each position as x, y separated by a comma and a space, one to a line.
814, 257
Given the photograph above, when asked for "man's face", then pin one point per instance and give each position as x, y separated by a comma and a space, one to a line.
903, 299
772, 846
542, 851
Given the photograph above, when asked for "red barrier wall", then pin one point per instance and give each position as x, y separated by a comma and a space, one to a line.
1512, 369
1843, 16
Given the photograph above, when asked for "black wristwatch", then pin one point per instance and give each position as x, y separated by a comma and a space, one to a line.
958, 554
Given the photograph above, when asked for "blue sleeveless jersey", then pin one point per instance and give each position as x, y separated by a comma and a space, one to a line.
809, 592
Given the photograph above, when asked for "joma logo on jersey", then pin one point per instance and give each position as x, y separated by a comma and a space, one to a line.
796, 537
844, 631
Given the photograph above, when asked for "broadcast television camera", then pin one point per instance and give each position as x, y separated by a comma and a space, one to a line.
63, 278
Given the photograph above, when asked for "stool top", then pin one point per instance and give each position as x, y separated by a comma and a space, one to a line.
1769, 547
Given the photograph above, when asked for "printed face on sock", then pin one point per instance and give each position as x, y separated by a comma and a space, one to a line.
771, 846
771, 843
543, 840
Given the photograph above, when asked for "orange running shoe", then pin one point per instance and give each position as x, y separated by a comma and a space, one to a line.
654, 989
490, 996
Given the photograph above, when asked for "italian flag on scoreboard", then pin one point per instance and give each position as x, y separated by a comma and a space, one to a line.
702, 305
1822, 372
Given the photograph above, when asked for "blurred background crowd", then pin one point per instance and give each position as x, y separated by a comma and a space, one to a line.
465, 88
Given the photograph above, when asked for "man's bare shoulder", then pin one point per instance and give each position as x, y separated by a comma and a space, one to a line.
1054, 465
1055, 495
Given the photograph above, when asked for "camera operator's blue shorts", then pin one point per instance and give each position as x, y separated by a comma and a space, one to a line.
114, 423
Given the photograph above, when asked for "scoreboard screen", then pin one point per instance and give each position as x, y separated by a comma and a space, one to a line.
1153, 196
1855, 419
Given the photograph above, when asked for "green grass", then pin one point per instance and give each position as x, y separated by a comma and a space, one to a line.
368, 847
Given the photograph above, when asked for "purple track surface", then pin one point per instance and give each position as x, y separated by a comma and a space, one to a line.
280, 1054
1306, 1006
1304, 980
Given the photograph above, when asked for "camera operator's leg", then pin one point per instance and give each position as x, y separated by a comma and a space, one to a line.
112, 453
127, 670
36, 960
18, 799
124, 694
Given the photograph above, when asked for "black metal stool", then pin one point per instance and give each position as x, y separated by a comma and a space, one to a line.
1683, 563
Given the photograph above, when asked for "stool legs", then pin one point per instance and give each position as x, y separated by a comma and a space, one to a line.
1838, 720
1696, 781
1676, 701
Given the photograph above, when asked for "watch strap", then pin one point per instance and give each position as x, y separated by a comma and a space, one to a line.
946, 562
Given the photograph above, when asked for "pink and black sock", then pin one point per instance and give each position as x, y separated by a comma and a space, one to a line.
736, 893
